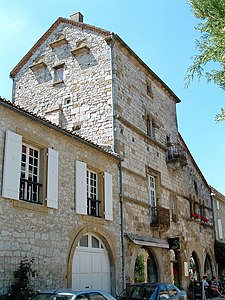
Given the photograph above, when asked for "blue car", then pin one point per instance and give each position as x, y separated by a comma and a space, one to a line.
152, 291
67, 294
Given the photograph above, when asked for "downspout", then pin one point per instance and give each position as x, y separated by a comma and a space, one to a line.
213, 217
122, 228
110, 41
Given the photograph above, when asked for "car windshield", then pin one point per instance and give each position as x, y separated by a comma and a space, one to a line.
52, 297
138, 292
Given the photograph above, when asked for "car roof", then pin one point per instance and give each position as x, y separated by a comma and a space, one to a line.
71, 292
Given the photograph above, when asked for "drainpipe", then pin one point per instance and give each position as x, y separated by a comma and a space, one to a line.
110, 41
122, 228
111, 45
213, 217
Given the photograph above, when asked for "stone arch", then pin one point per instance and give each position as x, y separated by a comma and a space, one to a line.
209, 255
149, 253
107, 238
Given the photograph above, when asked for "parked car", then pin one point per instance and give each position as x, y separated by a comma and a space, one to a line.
67, 294
152, 291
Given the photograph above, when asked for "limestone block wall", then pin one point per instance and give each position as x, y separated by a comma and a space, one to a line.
45, 233
85, 93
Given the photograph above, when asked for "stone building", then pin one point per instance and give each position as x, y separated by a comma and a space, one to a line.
219, 214
59, 204
87, 80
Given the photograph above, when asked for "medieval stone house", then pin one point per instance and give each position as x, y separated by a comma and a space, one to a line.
87, 80
59, 204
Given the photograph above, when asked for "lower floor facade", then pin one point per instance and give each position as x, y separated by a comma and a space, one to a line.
88, 257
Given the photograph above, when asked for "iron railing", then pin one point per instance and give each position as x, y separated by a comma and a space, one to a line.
30, 190
160, 217
93, 207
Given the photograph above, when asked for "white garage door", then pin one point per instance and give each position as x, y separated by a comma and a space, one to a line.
90, 266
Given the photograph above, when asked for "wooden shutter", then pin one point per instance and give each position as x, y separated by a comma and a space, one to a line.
81, 188
12, 165
52, 179
108, 196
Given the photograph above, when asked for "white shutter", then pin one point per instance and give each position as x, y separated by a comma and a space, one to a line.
81, 188
220, 229
108, 196
52, 179
12, 165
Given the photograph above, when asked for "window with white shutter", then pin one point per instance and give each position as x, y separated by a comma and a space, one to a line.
93, 192
22, 175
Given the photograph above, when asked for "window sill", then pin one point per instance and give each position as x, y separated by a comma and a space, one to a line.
30, 206
58, 43
38, 66
58, 82
92, 219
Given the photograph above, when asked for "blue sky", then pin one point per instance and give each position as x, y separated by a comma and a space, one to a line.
161, 32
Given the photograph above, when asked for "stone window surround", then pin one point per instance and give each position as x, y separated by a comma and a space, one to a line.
157, 176
100, 189
57, 69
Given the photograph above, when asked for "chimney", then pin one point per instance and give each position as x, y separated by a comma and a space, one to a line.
77, 17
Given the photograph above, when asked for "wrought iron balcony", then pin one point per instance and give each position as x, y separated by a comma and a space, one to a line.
93, 207
160, 218
176, 156
29, 190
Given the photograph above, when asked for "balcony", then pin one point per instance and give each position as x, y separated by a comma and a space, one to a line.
176, 156
160, 218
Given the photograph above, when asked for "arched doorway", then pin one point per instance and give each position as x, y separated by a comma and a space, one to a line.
194, 268
90, 265
145, 269
208, 270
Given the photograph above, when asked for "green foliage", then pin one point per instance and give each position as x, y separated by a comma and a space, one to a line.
220, 255
20, 289
139, 269
210, 60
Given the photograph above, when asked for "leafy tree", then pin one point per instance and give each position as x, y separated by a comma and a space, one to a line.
139, 269
220, 255
20, 289
210, 60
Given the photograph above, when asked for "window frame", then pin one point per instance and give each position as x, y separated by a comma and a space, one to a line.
27, 185
104, 187
58, 76
12, 170
151, 127
93, 193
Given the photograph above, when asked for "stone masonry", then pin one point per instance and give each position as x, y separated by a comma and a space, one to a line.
109, 95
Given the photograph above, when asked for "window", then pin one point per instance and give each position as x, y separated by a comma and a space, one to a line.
90, 241
152, 197
151, 127
22, 176
218, 204
173, 203
220, 229
58, 73
93, 192
152, 190
29, 179
149, 88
